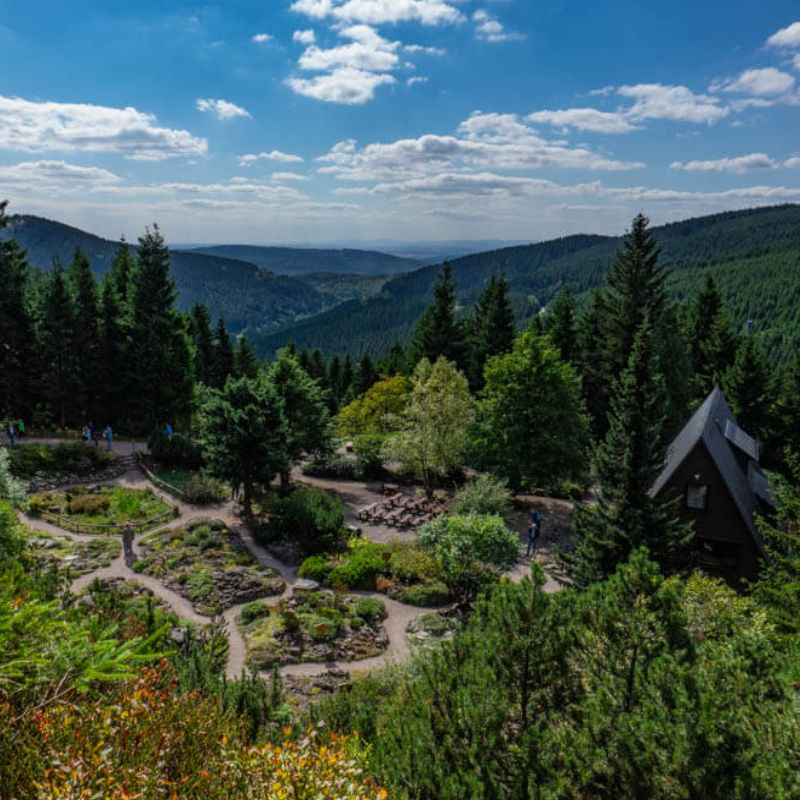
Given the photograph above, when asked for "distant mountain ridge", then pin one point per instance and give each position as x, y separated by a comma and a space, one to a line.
301, 261
754, 255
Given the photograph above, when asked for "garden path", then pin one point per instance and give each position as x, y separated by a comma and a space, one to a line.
354, 495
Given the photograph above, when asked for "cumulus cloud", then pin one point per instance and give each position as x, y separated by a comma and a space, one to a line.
380, 12
767, 81
273, 155
792, 163
786, 37
221, 109
490, 29
585, 119
261, 38
34, 127
289, 176
656, 101
345, 85
47, 173
418, 48
737, 164
304, 37
366, 51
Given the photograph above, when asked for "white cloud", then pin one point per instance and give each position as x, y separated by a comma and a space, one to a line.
738, 164
796, 62
221, 109
767, 81
48, 173
415, 79
380, 12
585, 119
289, 176
489, 29
792, 163
786, 37
273, 155
367, 51
418, 48
48, 126
656, 101
344, 85
471, 184
261, 38
304, 37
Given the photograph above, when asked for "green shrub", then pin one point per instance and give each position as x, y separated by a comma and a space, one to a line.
355, 623
315, 568
28, 459
370, 609
322, 629
175, 451
368, 450
412, 564
432, 593
255, 610
310, 518
360, 568
89, 504
335, 466
38, 503
203, 489
484, 495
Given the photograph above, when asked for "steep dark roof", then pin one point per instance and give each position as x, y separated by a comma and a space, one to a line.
714, 424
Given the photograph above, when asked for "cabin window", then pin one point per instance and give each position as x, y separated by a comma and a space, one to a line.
718, 555
697, 496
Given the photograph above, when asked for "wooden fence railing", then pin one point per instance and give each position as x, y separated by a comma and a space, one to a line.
159, 482
70, 524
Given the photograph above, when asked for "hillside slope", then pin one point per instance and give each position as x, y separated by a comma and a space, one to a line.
742, 248
299, 261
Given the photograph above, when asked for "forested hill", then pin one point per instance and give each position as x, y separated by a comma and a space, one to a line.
748, 252
246, 296
301, 261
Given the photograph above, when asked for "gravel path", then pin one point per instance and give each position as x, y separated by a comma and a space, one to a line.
354, 494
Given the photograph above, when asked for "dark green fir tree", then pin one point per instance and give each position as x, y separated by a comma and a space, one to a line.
203, 342
116, 381
86, 340
561, 324
491, 329
246, 361
223, 357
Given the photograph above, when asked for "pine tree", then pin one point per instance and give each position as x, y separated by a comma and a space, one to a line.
161, 356
203, 341
86, 339
590, 363
56, 336
347, 377
115, 380
394, 362
365, 375
491, 328
627, 463
123, 273
749, 387
334, 380
712, 346
16, 329
247, 364
787, 408
222, 358
439, 333
561, 324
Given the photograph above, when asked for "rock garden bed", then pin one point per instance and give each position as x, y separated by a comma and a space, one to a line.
79, 557
431, 628
316, 627
101, 509
206, 563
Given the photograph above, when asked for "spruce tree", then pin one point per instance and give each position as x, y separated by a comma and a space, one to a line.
115, 380
561, 324
203, 341
160, 356
86, 338
590, 363
365, 375
627, 463
123, 273
394, 362
222, 358
246, 362
491, 328
17, 351
438, 332
711, 343
787, 407
749, 387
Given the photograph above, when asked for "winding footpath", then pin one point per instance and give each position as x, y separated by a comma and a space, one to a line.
398, 617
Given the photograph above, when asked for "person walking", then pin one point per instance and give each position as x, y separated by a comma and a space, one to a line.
12, 433
21, 428
533, 539
109, 436
93, 435
127, 539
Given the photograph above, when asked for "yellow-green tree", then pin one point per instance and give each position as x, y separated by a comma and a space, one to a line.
376, 411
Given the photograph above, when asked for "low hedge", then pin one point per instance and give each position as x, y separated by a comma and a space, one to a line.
432, 593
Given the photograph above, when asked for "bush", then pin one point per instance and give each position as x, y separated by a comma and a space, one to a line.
254, 610
315, 568
77, 457
362, 565
370, 609
310, 518
484, 495
368, 453
432, 593
333, 467
355, 623
175, 451
89, 504
412, 564
322, 629
203, 489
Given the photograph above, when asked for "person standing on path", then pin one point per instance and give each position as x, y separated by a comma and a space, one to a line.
127, 539
12, 433
21, 428
168, 429
109, 435
533, 539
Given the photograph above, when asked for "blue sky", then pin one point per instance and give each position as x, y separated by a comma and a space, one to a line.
309, 121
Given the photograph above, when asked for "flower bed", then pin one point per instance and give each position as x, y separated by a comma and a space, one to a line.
78, 557
316, 628
207, 564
